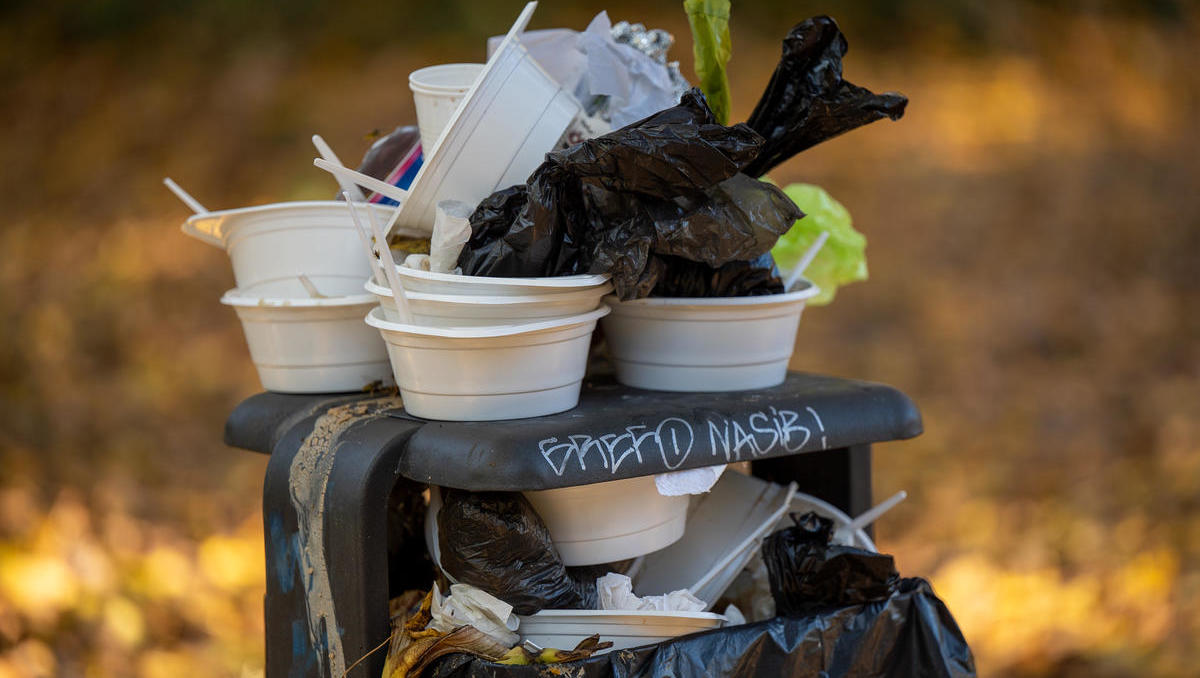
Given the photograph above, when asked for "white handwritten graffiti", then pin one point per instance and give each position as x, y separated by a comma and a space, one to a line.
673, 440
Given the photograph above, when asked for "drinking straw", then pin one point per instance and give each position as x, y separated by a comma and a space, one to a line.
389, 267
872, 514
382, 187
327, 153
809, 255
186, 197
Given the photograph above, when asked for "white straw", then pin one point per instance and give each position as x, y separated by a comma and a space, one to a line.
389, 266
381, 187
310, 287
872, 514
186, 197
802, 265
327, 152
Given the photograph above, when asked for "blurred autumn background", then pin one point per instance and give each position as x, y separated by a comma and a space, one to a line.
1034, 246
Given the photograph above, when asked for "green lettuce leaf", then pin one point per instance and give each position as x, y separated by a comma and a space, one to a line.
843, 258
711, 48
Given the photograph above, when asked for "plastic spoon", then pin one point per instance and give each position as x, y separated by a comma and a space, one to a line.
327, 153
874, 513
389, 267
809, 255
310, 287
365, 238
381, 187
186, 197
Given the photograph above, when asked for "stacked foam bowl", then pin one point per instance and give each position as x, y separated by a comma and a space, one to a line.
481, 349
299, 270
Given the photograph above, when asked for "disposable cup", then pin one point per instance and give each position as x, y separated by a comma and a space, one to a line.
270, 246
565, 628
437, 91
457, 310
430, 282
610, 521
510, 118
489, 373
311, 345
709, 344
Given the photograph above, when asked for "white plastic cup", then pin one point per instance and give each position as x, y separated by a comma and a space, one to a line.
510, 118
489, 373
705, 344
458, 310
437, 92
270, 246
566, 628
610, 521
311, 345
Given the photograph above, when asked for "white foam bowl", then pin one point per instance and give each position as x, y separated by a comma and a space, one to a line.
416, 280
270, 246
489, 373
610, 521
437, 92
705, 344
510, 118
311, 345
563, 629
457, 310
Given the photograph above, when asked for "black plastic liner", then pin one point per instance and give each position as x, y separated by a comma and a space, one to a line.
910, 633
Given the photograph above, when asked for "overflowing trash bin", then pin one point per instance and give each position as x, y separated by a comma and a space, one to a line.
567, 299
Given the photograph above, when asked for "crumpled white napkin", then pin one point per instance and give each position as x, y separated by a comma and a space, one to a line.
472, 606
636, 84
691, 481
616, 593
451, 231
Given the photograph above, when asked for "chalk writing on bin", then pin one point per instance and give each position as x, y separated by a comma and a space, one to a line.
673, 441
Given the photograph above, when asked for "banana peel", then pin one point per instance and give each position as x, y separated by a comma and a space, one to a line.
413, 647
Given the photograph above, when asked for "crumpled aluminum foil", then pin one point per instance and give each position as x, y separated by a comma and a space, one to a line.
654, 43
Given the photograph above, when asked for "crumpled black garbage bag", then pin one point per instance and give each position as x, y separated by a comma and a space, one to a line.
683, 278
808, 573
807, 101
496, 541
666, 186
909, 633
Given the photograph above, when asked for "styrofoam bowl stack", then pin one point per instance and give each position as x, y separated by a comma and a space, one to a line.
270, 246
491, 372
311, 345
610, 521
705, 344
430, 282
566, 628
460, 310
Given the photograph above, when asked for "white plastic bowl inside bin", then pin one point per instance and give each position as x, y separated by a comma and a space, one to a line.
489, 373
270, 246
563, 629
311, 345
416, 280
510, 118
610, 521
457, 310
709, 344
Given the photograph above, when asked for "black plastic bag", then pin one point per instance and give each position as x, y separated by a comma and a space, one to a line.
807, 573
910, 633
496, 541
808, 102
683, 278
666, 186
